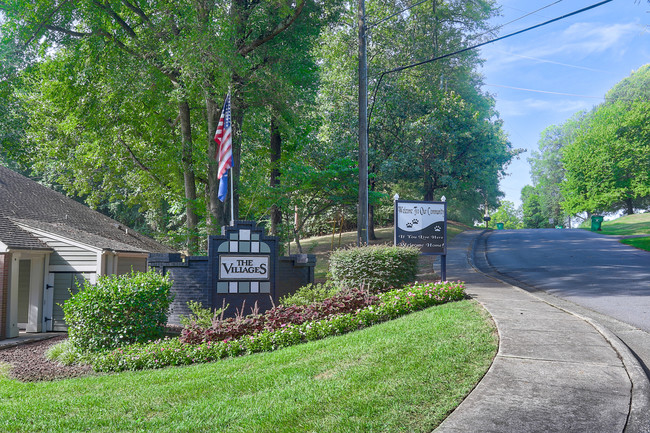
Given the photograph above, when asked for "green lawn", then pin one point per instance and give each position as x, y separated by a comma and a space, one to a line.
402, 375
629, 225
637, 224
640, 243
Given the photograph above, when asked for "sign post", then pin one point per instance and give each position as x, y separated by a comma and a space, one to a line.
423, 224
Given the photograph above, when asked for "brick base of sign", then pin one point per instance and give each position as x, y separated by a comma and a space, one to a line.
296, 271
191, 278
242, 270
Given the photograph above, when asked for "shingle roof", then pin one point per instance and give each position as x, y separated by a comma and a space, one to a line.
29, 204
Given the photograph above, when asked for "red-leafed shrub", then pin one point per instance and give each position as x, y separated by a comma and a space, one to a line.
227, 329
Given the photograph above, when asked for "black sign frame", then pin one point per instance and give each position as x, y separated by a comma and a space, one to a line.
416, 223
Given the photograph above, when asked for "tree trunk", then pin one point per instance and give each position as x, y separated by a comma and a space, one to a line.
371, 208
630, 206
429, 189
188, 178
296, 237
274, 181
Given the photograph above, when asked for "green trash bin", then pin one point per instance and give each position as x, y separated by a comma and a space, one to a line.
499, 226
596, 221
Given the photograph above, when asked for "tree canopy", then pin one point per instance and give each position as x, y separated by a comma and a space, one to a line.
599, 161
116, 103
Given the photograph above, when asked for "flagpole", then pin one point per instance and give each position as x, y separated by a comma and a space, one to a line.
232, 200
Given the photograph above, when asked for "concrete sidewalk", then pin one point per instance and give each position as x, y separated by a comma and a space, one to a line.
555, 370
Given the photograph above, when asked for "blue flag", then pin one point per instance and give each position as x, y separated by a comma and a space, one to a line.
223, 187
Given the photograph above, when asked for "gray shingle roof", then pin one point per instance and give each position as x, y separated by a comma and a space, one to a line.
27, 203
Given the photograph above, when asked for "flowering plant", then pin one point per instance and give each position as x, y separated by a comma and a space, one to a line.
174, 351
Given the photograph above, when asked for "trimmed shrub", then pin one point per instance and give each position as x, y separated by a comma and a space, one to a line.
118, 310
378, 267
310, 293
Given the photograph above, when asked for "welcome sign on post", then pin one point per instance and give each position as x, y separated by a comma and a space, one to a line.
423, 224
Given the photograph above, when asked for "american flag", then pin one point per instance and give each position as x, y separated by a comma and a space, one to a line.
223, 137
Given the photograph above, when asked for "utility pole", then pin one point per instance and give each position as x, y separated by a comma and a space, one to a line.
362, 212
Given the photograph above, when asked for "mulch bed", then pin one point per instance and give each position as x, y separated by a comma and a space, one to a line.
28, 363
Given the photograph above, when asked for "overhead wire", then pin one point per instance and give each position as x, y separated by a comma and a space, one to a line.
500, 26
527, 29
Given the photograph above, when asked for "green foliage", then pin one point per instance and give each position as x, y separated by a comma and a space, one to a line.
311, 293
118, 310
199, 315
65, 353
432, 129
378, 267
532, 214
508, 215
171, 351
607, 163
547, 173
607, 166
122, 112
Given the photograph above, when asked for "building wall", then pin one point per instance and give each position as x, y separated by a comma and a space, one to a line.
66, 255
190, 282
125, 264
5, 259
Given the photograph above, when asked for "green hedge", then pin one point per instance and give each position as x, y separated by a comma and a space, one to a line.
119, 310
378, 267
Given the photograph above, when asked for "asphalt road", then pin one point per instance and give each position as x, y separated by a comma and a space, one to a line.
610, 281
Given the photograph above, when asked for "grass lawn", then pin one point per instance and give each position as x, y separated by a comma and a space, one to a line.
637, 224
322, 246
402, 375
640, 243
629, 225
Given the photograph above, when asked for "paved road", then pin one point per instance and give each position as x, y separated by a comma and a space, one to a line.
611, 281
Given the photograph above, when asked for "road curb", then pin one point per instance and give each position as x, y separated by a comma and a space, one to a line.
638, 420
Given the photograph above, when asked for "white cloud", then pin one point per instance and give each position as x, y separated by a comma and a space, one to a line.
528, 106
593, 38
576, 42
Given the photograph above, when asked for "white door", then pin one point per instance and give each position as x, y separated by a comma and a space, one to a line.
48, 302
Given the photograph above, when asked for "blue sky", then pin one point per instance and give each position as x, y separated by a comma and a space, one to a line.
584, 55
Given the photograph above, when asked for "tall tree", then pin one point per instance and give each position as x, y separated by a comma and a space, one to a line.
414, 136
182, 57
608, 163
547, 170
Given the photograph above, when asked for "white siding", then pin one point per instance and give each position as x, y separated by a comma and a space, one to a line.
64, 283
68, 256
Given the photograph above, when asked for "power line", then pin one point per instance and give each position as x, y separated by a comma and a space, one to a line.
402, 68
396, 13
520, 18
